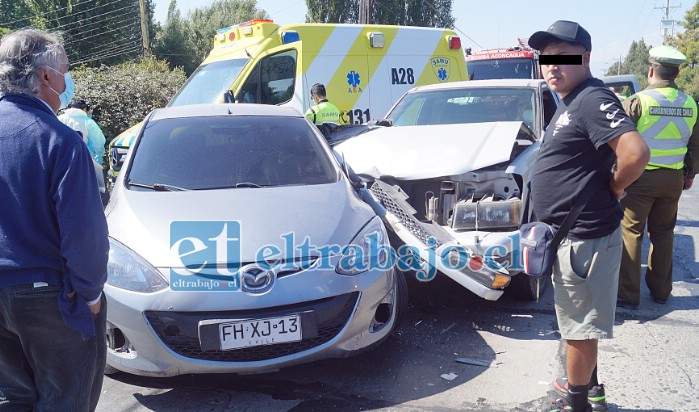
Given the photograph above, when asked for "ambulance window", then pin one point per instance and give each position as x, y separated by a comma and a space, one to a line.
272, 81
208, 83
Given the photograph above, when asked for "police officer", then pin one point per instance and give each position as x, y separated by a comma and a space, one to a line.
323, 110
667, 120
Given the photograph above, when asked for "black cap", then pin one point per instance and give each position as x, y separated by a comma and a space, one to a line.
78, 103
565, 30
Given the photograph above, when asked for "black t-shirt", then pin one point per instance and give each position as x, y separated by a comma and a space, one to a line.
575, 153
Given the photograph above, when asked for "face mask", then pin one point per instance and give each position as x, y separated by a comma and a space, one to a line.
69, 92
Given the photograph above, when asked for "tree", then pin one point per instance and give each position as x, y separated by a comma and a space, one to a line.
635, 62
222, 13
173, 42
94, 31
423, 13
332, 11
688, 43
123, 94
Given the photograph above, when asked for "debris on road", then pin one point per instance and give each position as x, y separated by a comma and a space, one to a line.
473, 361
449, 376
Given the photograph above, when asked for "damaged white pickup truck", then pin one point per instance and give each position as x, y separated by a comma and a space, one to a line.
450, 171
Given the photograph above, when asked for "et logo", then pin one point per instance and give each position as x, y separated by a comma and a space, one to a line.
207, 255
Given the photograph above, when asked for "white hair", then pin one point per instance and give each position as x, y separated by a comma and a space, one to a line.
22, 54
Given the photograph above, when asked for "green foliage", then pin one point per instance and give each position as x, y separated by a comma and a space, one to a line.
636, 62
94, 32
205, 21
423, 13
185, 42
123, 95
173, 42
688, 43
332, 11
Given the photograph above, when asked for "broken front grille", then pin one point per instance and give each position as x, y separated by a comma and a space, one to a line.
388, 196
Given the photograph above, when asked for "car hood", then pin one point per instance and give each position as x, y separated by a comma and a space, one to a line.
419, 152
328, 214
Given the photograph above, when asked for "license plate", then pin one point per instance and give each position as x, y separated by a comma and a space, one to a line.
258, 332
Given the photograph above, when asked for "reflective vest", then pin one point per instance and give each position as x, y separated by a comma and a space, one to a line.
324, 111
666, 122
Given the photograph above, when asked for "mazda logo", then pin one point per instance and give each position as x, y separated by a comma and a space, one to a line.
256, 279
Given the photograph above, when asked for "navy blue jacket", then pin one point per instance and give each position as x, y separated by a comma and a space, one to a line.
52, 225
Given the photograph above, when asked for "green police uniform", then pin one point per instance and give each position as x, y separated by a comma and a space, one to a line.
667, 120
322, 112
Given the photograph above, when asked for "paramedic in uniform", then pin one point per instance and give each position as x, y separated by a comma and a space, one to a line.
323, 111
667, 120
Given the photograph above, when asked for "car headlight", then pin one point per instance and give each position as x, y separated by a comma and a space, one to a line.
487, 214
127, 270
370, 249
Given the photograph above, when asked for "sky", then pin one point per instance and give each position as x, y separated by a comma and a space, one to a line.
613, 24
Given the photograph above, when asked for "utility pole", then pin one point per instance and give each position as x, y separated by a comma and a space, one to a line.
364, 11
145, 35
666, 24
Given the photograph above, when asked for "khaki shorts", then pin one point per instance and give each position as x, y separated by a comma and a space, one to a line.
585, 283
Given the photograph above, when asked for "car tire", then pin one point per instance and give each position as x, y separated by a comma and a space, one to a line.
523, 286
402, 297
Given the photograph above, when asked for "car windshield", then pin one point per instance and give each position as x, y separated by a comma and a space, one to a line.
465, 105
501, 69
217, 152
208, 83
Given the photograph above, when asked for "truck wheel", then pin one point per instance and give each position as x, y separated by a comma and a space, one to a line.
523, 286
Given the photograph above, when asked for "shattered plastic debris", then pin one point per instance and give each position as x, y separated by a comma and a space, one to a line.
473, 361
449, 376
447, 328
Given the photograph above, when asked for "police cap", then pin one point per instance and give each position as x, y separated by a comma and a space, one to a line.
666, 56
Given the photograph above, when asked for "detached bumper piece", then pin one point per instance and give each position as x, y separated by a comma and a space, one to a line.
433, 241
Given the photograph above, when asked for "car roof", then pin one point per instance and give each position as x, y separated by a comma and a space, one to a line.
218, 109
468, 84
619, 78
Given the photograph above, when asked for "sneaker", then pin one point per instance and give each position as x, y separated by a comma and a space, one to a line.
562, 405
596, 394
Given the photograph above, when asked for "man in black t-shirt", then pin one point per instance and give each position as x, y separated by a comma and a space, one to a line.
587, 135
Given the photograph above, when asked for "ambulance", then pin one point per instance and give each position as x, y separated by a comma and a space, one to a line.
365, 68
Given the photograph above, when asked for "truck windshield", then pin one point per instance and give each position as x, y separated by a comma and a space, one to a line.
502, 69
208, 83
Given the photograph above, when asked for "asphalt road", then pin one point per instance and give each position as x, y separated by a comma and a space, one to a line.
650, 365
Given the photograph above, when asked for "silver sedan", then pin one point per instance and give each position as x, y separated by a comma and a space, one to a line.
239, 245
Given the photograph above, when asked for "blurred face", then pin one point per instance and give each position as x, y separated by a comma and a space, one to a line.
563, 78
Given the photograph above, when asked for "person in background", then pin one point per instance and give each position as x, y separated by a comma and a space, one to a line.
588, 133
77, 118
323, 111
667, 119
618, 91
53, 238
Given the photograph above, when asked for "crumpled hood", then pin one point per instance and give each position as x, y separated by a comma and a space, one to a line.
419, 152
328, 214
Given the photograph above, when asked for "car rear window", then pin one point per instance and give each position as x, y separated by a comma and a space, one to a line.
217, 152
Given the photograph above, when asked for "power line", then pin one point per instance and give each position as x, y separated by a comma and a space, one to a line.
62, 8
103, 33
63, 27
105, 54
83, 33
